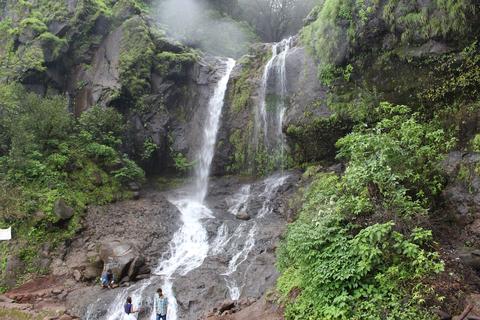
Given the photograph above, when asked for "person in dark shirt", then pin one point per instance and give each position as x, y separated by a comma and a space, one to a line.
130, 310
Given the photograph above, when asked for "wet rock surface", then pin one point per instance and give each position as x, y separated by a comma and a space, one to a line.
241, 262
127, 237
241, 257
246, 309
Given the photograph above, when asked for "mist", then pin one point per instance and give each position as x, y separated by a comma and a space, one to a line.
196, 24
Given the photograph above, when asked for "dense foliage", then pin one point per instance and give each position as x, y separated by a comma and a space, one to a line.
341, 27
45, 156
336, 261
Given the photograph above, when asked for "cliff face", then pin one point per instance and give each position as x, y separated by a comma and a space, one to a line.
112, 55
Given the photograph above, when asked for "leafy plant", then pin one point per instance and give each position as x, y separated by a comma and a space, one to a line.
149, 147
338, 265
335, 270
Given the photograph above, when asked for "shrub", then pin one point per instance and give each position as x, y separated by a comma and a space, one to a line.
336, 264
103, 125
129, 172
332, 269
394, 164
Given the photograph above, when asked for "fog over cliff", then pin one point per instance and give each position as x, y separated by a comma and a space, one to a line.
199, 25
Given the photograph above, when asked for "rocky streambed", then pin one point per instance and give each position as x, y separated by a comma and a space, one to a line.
133, 237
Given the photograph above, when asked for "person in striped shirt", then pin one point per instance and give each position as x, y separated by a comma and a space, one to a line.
161, 305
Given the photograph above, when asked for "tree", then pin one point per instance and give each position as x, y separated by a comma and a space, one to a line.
275, 19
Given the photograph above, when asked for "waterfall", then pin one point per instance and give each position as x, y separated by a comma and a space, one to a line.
272, 94
210, 129
235, 239
189, 246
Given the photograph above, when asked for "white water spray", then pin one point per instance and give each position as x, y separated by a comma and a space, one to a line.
240, 200
189, 246
210, 129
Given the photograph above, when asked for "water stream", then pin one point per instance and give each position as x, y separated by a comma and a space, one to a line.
272, 96
190, 244
242, 240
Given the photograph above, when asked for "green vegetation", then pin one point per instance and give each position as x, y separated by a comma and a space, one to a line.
304, 138
47, 155
355, 252
340, 26
142, 52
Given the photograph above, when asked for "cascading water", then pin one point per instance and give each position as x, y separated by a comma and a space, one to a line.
189, 246
237, 242
273, 93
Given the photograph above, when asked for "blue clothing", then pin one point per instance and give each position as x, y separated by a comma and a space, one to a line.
128, 308
161, 305
160, 317
107, 278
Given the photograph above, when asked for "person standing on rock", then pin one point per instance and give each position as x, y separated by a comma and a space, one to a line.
130, 310
160, 305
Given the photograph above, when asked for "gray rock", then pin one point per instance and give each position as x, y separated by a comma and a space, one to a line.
62, 210
135, 267
243, 216
117, 255
77, 275
58, 28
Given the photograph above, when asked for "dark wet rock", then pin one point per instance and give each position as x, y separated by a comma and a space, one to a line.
13, 268
58, 28
62, 210
102, 81
306, 104
135, 267
307, 96
462, 194
226, 305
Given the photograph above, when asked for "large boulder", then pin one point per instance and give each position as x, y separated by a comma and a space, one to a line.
121, 257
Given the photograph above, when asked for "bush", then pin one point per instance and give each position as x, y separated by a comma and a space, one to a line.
334, 270
45, 156
393, 166
129, 172
345, 258
103, 125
